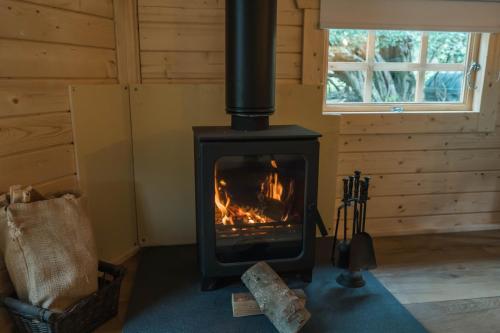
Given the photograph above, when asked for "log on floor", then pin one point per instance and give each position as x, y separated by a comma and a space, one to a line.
244, 304
280, 304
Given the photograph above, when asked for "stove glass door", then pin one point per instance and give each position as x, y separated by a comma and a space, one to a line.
259, 207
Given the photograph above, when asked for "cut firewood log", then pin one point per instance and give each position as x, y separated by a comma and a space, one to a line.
244, 304
280, 304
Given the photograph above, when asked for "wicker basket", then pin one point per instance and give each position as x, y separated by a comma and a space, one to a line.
84, 316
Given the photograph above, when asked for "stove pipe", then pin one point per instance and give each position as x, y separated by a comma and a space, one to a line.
250, 62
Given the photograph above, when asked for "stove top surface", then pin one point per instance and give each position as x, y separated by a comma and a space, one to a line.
276, 132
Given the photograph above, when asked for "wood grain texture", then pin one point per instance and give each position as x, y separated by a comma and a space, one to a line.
206, 4
34, 132
434, 268
429, 141
431, 183
244, 304
313, 46
185, 14
33, 59
459, 316
37, 166
95, 7
127, 41
28, 21
419, 161
408, 123
432, 224
191, 65
208, 37
22, 97
433, 204
59, 185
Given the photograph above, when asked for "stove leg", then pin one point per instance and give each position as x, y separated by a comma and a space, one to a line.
306, 275
208, 284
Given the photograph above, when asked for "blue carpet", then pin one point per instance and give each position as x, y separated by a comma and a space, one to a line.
166, 298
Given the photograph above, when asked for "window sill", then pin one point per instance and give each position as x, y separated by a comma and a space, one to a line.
375, 112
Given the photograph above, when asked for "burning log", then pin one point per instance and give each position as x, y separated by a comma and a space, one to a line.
280, 304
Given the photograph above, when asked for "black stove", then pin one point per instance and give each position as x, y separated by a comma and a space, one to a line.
256, 185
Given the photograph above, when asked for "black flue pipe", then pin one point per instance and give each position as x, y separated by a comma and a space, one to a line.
250, 62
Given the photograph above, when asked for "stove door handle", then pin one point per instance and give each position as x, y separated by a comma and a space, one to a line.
316, 217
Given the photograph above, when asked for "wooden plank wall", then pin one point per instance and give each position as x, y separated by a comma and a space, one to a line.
427, 182
45, 46
183, 41
423, 182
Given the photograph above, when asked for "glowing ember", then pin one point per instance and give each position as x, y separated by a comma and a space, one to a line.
271, 190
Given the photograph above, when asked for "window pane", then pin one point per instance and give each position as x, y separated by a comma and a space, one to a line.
389, 87
344, 87
347, 45
447, 47
443, 86
397, 46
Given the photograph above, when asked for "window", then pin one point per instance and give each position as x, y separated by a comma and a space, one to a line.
394, 70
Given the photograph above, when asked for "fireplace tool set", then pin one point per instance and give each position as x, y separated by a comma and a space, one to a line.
356, 254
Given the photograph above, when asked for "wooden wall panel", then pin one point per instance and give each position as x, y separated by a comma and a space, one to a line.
426, 224
183, 41
37, 166
283, 5
31, 22
95, 7
45, 46
34, 59
420, 161
209, 65
430, 141
199, 37
205, 15
433, 204
66, 183
34, 132
34, 96
431, 183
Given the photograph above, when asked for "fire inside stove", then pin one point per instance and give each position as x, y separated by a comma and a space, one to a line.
258, 199
273, 196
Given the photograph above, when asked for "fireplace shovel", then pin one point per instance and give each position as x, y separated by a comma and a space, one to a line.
362, 256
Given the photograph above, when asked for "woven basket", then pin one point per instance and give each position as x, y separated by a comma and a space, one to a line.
85, 316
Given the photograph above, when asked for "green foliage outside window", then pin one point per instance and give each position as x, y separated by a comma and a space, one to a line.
396, 47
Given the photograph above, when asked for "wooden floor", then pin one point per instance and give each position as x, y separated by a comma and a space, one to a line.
449, 282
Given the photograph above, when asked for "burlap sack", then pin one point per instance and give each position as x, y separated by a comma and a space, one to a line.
6, 288
50, 252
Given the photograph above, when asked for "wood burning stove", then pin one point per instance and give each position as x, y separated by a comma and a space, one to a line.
256, 185
256, 194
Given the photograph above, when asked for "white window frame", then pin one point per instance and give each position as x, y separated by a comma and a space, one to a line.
485, 104
475, 45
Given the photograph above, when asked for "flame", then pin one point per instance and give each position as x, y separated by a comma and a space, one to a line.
230, 213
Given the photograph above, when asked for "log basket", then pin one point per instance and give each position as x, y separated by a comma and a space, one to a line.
84, 316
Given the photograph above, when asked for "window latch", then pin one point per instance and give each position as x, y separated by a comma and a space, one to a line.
474, 68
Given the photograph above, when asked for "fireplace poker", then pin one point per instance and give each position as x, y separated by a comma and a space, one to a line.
366, 185
340, 251
355, 199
